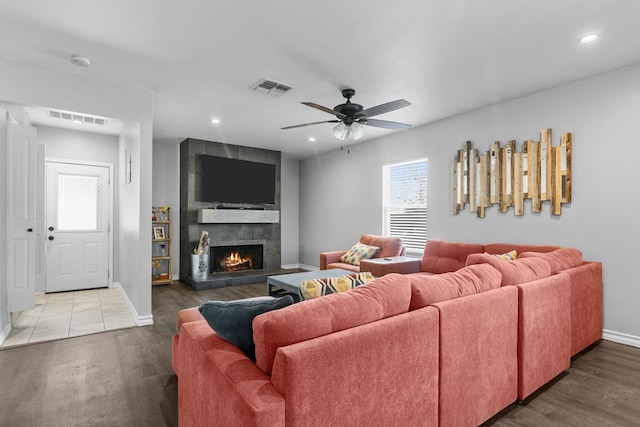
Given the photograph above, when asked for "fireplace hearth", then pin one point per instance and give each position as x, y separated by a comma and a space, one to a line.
233, 258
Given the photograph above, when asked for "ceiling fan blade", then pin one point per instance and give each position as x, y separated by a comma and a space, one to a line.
384, 108
325, 109
309, 124
385, 124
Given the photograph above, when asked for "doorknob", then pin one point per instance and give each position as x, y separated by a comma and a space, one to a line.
51, 237
51, 228
29, 230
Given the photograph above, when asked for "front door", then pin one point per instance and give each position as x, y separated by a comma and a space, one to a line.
77, 255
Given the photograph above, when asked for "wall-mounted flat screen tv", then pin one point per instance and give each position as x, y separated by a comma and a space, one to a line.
237, 181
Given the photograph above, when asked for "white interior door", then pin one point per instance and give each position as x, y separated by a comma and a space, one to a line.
77, 226
21, 202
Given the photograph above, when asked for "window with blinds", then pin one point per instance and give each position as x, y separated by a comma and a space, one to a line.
404, 202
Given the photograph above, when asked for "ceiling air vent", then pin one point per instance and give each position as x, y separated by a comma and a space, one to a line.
271, 87
77, 118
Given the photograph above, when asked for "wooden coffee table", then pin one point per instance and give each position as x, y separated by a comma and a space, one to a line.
283, 284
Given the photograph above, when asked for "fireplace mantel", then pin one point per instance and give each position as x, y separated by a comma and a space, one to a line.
238, 216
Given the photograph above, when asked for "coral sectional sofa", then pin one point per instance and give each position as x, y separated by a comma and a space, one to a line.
452, 344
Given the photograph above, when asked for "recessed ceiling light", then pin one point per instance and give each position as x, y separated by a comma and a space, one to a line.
215, 121
589, 38
312, 139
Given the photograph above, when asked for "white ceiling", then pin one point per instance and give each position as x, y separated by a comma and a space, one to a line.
201, 57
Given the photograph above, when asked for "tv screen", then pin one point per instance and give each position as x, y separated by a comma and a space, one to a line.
237, 181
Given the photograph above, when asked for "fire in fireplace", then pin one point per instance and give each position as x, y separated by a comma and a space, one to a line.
226, 259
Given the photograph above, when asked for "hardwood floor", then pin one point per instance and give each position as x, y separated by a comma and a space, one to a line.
124, 378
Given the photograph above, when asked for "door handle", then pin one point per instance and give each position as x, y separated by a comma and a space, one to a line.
29, 230
51, 237
51, 228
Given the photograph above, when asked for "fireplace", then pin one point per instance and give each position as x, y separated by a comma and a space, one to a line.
228, 259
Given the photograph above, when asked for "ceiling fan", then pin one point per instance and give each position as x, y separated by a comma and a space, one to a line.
351, 116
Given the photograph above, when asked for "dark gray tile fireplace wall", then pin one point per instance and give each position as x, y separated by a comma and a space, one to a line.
268, 234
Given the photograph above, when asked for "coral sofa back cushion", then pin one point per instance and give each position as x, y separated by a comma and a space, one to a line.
517, 271
559, 260
500, 248
427, 289
441, 256
389, 246
384, 297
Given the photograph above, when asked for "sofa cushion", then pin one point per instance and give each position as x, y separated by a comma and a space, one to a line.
389, 246
499, 248
442, 256
384, 297
559, 260
427, 289
232, 320
315, 288
357, 252
344, 266
513, 272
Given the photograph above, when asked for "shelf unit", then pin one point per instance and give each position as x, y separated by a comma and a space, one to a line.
161, 246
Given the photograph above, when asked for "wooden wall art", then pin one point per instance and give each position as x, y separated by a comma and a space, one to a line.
504, 177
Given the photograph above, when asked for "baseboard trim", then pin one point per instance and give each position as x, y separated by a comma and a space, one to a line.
140, 320
621, 338
308, 267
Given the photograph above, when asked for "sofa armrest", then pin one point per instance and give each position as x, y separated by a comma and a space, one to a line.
390, 367
220, 385
381, 266
327, 258
586, 305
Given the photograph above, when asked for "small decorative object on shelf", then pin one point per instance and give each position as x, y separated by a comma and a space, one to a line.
161, 246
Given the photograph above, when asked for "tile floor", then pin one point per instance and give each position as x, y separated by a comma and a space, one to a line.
70, 314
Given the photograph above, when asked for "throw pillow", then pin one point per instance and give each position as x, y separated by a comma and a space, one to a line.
357, 252
509, 256
315, 288
232, 320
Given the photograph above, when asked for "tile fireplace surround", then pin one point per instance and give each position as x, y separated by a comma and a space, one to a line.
235, 228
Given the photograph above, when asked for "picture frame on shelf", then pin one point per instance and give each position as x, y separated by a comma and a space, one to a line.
158, 233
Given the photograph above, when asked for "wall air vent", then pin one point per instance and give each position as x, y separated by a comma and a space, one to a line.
271, 87
77, 118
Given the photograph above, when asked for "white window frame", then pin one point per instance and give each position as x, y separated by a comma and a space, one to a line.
410, 222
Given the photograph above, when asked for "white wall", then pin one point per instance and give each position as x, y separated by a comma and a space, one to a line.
30, 85
340, 193
166, 191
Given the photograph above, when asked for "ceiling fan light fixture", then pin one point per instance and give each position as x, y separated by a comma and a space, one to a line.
341, 131
357, 131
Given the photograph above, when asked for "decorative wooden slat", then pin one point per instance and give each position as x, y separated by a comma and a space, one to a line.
525, 170
461, 179
545, 164
565, 143
494, 164
556, 180
454, 186
474, 174
484, 184
506, 176
465, 171
518, 177
533, 150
